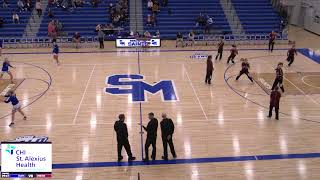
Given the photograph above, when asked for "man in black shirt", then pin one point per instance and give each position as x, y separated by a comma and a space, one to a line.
220, 49
179, 39
151, 129
167, 130
122, 138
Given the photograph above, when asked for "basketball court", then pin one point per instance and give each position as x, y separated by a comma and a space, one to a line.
221, 130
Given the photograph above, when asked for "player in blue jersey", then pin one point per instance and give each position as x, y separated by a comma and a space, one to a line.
55, 52
6, 69
16, 106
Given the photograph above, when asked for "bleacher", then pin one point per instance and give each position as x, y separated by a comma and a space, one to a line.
257, 16
183, 16
10, 29
82, 19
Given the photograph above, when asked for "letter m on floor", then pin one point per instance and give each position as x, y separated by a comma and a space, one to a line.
135, 86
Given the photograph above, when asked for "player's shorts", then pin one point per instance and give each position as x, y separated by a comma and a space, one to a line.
16, 107
244, 71
55, 54
3, 72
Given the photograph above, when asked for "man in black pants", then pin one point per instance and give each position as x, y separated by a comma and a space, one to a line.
245, 69
274, 102
291, 53
167, 129
209, 70
122, 138
151, 129
272, 38
233, 54
279, 77
220, 49
101, 38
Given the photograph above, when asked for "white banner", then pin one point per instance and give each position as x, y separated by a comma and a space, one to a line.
26, 157
138, 43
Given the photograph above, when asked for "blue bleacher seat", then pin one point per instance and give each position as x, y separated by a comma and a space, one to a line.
82, 19
257, 16
183, 15
10, 29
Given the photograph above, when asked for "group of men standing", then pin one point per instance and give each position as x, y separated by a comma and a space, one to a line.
167, 130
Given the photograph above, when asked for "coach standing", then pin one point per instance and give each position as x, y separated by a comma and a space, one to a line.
151, 129
101, 38
167, 130
209, 70
220, 49
122, 138
274, 102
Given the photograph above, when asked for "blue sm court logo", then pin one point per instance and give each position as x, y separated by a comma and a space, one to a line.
134, 85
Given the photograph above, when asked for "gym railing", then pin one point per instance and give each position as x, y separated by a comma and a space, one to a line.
92, 41
242, 39
45, 42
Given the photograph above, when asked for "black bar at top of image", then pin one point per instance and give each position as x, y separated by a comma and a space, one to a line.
8, 142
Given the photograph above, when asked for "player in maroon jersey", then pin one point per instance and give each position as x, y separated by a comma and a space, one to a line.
209, 70
233, 53
245, 69
291, 53
279, 77
274, 102
220, 49
272, 38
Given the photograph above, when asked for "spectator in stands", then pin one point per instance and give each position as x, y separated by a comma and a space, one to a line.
15, 18
164, 3
157, 34
147, 34
1, 22
51, 29
28, 5
137, 35
20, 5
50, 3
208, 24
58, 26
39, 7
5, 4
131, 35
154, 20
79, 3
95, 3
149, 20
73, 4
50, 13
155, 7
65, 4
191, 38
110, 6
76, 39
179, 39
150, 5
200, 21
98, 28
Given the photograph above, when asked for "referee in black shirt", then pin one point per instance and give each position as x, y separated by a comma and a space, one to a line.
167, 130
151, 129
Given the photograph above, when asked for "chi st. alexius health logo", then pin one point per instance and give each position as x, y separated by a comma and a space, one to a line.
23, 160
10, 149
